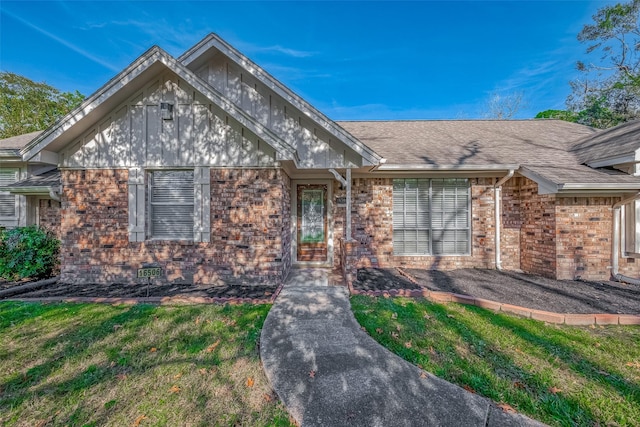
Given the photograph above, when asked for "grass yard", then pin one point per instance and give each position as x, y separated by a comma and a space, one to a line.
560, 375
95, 365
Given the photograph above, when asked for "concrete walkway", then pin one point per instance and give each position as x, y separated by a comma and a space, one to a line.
328, 372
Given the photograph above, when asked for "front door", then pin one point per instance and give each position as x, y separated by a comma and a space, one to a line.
312, 222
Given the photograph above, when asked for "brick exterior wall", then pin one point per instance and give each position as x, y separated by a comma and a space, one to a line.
250, 223
372, 227
559, 237
49, 216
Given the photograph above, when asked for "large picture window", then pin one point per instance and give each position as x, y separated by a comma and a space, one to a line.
431, 216
171, 199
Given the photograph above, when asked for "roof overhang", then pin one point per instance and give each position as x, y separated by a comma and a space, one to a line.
121, 87
546, 186
43, 190
431, 167
214, 42
619, 159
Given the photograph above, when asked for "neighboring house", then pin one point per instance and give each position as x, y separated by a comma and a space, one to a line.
213, 169
35, 200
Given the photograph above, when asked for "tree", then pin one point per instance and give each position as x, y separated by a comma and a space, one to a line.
567, 116
504, 107
609, 93
27, 106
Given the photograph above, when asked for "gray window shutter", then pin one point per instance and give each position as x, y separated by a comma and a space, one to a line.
8, 202
171, 201
202, 205
136, 190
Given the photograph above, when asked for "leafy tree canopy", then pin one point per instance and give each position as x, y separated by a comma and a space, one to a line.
609, 92
27, 106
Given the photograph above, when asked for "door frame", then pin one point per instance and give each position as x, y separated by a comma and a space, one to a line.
294, 222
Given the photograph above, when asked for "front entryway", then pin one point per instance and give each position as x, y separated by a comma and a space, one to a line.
312, 235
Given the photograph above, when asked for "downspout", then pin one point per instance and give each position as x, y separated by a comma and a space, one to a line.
497, 200
615, 242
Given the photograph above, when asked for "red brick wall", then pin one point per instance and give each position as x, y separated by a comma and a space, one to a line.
250, 224
372, 221
49, 216
560, 237
584, 226
538, 230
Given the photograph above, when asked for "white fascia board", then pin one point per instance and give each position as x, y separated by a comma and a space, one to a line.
615, 160
587, 186
213, 40
28, 191
428, 167
152, 56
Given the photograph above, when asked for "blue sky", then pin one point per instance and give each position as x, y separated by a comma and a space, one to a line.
352, 60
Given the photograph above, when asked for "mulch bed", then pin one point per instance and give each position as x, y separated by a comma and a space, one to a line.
525, 290
258, 291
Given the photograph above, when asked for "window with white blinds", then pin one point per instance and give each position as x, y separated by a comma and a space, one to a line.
171, 200
431, 216
8, 201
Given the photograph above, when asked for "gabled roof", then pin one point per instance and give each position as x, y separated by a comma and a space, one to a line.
122, 86
616, 145
213, 41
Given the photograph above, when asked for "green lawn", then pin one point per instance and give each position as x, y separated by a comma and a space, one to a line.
94, 365
560, 375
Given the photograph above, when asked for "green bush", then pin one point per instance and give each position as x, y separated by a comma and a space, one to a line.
28, 252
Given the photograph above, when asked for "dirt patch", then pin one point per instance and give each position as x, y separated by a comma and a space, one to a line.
525, 290
381, 279
260, 291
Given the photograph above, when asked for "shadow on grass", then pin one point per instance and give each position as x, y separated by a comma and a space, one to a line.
497, 376
83, 357
554, 344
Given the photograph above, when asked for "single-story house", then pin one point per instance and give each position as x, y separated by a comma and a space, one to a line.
208, 166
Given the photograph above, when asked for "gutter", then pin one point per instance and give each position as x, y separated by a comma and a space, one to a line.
497, 199
615, 243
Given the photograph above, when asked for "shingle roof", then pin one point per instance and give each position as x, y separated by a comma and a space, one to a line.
47, 179
580, 174
19, 141
616, 141
470, 142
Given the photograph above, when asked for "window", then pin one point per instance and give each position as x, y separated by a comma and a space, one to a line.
171, 205
431, 217
8, 201
631, 232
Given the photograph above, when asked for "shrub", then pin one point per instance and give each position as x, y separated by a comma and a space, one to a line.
28, 252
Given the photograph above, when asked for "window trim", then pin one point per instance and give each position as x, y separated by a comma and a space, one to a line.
150, 206
430, 229
16, 200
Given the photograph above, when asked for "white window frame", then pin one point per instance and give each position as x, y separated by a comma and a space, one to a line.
141, 209
631, 230
16, 200
183, 200
428, 224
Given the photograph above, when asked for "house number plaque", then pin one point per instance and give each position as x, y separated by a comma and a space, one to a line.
149, 272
